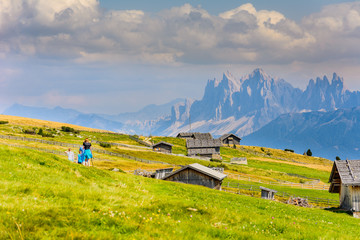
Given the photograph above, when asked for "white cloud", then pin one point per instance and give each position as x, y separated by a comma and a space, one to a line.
80, 31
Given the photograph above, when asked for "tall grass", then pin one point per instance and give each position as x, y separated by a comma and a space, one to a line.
46, 197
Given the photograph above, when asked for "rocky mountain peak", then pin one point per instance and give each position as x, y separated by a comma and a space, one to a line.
260, 75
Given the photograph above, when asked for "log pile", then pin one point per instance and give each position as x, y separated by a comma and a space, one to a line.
297, 201
143, 173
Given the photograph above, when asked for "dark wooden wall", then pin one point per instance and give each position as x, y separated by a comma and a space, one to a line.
163, 148
191, 176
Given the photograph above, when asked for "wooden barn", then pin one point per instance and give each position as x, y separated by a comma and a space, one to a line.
345, 180
195, 135
197, 174
204, 148
162, 147
230, 139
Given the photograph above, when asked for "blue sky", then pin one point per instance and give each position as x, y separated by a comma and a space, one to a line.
117, 56
294, 9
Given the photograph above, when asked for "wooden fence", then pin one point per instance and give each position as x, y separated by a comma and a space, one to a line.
254, 190
120, 144
288, 184
140, 141
77, 146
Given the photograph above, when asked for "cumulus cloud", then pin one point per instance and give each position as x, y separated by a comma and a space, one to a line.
81, 31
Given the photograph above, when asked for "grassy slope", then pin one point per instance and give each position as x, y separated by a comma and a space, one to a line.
22, 121
44, 196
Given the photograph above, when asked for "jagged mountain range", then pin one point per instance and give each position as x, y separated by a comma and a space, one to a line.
244, 105
238, 105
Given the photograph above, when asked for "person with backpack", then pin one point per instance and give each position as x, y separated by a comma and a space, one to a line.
87, 153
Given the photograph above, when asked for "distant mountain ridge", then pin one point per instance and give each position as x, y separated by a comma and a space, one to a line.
245, 105
131, 122
329, 134
57, 114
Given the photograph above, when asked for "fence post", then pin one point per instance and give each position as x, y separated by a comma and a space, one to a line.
228, 184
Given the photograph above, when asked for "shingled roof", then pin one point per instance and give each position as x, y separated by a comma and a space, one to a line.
195, 135
198, 143
347, 171
162, 142
200, 168
185, 134
228, 135
203, 136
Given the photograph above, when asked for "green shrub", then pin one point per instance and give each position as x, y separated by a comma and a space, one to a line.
40, 132
29, 131
69, 129
4, 122
44, 134
105, 145
309, 153
288, 150
215, 160
338, 158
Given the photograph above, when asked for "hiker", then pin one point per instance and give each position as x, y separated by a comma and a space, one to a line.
81, 155
87, 153
70, 155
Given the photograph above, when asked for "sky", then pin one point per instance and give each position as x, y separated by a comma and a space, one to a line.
113, 56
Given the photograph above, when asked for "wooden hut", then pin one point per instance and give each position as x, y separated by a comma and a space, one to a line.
230, 139
162, 147
195, 135
267, 193
197, 174
345, 180
203, 148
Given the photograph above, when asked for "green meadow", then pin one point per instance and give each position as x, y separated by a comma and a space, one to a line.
45, 196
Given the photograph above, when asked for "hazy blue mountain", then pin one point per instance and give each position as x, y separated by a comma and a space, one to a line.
149, 112
140, 122
95, 121
57, 114
327, 134
325, 95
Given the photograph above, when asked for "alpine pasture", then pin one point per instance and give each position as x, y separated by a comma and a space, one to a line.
45, 196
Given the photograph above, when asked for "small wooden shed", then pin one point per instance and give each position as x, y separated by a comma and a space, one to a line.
197, 174
230, 139
267, 193
162, 147
345, 180
205, 148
